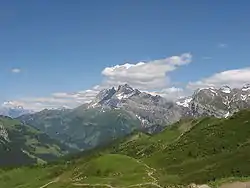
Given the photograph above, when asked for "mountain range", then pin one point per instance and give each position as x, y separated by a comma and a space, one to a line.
221, 102
117, 112
130, 138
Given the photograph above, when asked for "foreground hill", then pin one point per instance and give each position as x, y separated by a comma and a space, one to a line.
21, 144
203, 151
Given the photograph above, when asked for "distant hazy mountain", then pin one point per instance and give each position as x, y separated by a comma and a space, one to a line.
14, 111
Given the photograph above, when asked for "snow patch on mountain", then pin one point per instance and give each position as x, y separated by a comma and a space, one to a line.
227, 115
243, 97
4, 133
185, 102
225, 89
246, 87
143, 121
121, 96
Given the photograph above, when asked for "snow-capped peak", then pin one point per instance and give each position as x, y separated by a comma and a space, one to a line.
125, 91
212, 89
225, 89
246, 87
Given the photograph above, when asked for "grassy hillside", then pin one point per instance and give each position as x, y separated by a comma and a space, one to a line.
206, 150
212, 149
21, 144
83, 128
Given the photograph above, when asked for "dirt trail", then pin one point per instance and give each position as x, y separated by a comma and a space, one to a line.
93, 185
150, 170
141, 184
236, 185
54, 181
110, 186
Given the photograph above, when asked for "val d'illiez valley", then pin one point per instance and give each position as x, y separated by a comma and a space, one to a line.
127, 138
124, 94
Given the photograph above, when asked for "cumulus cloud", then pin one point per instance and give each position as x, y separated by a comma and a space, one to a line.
56, 100
145, 75
149, 76
234, 78
15, 70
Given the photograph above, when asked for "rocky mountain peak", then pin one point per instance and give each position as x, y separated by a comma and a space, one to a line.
221, 102
125, 89
103, 96
148, 109
106, 94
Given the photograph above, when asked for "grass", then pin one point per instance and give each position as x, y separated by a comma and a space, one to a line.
114, 169
206, 150
24, 177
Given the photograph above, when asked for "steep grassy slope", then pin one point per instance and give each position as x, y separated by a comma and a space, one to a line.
212, 149
141, 145
206, 150
21, 144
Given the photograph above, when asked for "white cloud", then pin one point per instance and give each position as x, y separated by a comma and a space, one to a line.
150, 75
68, 100
145, 75
15, 70
222, 45
234, 78
171, 93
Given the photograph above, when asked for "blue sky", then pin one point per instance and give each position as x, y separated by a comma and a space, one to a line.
63, 46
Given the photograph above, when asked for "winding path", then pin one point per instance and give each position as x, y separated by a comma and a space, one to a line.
54, 181
110, 186
93, 185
